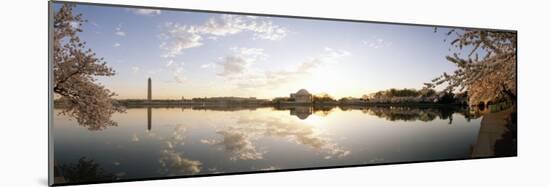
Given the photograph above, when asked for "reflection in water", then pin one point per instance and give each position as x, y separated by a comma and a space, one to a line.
392, 113
323, 110
417, 113
237, 145
301, 112
173, 162
94, 114
190, 140
238, 139
149, 113
85, 170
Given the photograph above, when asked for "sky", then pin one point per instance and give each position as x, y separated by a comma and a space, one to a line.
196, 54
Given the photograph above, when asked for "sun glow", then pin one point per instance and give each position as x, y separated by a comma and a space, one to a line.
333, 82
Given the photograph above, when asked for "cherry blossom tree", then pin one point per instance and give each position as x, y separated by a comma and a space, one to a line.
74, 70
486, 65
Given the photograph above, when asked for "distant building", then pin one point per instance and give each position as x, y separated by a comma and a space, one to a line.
302, 96
149, 96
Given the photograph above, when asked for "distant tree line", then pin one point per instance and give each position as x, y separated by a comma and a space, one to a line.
424, 95
404, 93
390, 96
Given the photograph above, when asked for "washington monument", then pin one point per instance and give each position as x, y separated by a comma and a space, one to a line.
149, 89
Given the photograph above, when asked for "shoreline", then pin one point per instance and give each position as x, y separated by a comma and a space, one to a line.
251, 105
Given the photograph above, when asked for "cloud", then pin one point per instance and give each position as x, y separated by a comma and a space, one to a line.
232, 24
135, 69
238, 64
376, 43
234, 66
169, 63
177, 73
149, 12
239, 70
331, 54
119, 31
178, 37
177, 70
250, 53
116, 44
268, 31
223, 25
209, 65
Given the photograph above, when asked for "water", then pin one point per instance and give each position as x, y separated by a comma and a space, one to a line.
160, 142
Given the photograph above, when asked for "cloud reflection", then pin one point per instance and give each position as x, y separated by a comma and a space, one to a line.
237, 144
173, 162
238, 140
